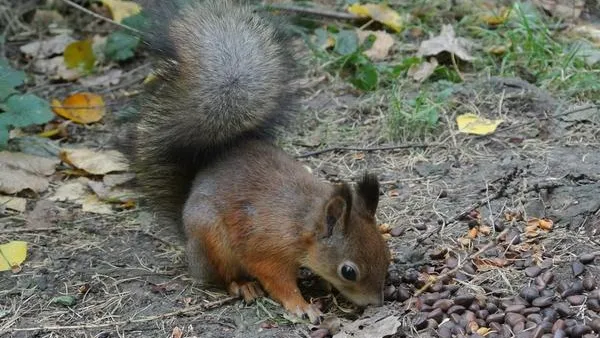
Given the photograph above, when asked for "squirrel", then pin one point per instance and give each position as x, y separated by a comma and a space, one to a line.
205, 157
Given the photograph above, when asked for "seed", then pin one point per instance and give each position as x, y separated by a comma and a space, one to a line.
519, 326
593, 304
529, 293
397, 231
559, 334
443, 304
452, 288
589, 283
436, 314
549, 314
559, 325
595, 325
577, 268
464, 300
530, 310
420, 321
578, 330
402, 293
533, 271
574, 289
432, 324
445, 331
496, 318
542, 301
576, 300
548, 277
451, 262
513, 319
547, 293
456, 309
482, 314
515, 308
390, 292
587, 258
563, 309
491, 307
535, 317
430, 298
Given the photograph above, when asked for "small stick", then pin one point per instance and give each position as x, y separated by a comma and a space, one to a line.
312, 11
401, 146
19, 231
130, 321
83, 9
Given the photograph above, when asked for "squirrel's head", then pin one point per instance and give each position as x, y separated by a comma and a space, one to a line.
350, 252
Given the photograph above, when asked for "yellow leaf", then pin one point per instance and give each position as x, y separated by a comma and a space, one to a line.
474, 124
12, 254
121, 9
79, 54
380, 13
496, 19
81, 108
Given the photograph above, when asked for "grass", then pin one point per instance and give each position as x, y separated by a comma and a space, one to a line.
523, 43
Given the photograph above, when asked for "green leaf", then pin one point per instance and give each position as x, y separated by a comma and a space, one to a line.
346, 42
137, 21
25, 110
365, 77
64, 300
9, 79
121, 46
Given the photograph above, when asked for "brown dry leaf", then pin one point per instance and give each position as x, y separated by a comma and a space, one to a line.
110, 195
108, 79
446, 42
380, 13
424, 70
380, 48
545, 224
359, 156
73, 191
46, 48
13, 203
589, 31
498, 49
81, 108
485, 230
92, 204
564, 9
113, 180
95, 162
177, 333
464, 241
473, 233
56, 69
496, 262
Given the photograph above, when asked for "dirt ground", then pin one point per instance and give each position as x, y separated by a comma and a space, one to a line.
129, 278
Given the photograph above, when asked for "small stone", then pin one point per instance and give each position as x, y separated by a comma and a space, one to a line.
577, 267
397, 231
529, 293
390, 292
402, 293
533, 271
587, 258
542, 301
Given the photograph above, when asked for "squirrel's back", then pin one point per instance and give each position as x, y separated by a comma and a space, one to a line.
223, 76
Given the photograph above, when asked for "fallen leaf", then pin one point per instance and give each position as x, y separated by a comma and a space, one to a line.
121, 9
10, 79
110, 78
46, 48
12, 254
73, 191
112, 180
484, 264
381, 46
496, 19
472, 234
474, 124
542, 223
485, 230
176, 333
564, 9
30, 163
13, 203
446, 42
483, 331
380, 13
421, 72
56, 69
589, 31
79, 55
64, 300
20, 171
81, 108
110, 195
498, 50
370, 328
95, 162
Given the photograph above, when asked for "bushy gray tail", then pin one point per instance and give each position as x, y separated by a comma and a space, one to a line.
223, 76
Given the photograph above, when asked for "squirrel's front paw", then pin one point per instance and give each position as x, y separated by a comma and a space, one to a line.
306, 310
250, 291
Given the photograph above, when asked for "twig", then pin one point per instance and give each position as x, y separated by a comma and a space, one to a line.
401, 146
433, 280
312, 11
83, 9
567, 112
19, 231
194, 308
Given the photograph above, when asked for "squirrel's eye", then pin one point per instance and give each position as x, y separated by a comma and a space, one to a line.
348, 272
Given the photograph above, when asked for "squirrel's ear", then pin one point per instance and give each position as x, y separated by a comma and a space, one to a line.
368, 191
337, 209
